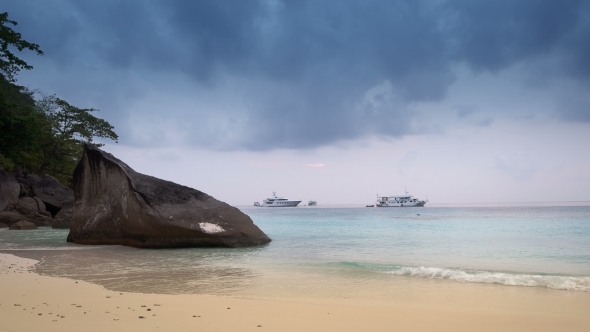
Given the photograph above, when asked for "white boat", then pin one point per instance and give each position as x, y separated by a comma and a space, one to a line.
276, 201
406, 200
312, 203
256, 204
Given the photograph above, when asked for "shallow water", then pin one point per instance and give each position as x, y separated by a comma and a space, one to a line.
324, 252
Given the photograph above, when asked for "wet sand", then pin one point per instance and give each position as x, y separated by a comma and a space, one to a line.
31, 302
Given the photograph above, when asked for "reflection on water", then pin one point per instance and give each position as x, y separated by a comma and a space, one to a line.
145, 271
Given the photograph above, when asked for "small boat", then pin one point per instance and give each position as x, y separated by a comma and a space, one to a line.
256, 204
370, 205
312, 203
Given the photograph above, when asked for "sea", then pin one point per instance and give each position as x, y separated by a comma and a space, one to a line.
342, 252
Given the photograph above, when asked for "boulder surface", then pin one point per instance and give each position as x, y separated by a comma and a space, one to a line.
10, 217
63, 218
52, 193
9, 190
23, 225
116, 205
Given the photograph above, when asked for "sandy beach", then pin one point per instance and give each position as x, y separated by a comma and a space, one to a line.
32, 302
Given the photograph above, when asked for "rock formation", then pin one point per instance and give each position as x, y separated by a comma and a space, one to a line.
10, 217
23, 225
2, 225
9, 190
63, 218
116, 205
52, 193
32, 198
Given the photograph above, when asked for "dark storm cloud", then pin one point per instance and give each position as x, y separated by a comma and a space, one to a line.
309, 66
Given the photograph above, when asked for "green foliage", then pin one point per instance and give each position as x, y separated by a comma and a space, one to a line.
22, 127
42, 136
10, 64
70, 127
73, 123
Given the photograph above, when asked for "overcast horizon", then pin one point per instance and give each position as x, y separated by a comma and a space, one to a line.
334, 101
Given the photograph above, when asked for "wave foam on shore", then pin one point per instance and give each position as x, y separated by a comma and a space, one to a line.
572, 283
530, 280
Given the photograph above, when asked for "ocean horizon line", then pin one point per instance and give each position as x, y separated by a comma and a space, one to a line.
455, 204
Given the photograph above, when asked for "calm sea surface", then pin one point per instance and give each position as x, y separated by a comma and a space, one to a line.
319, 251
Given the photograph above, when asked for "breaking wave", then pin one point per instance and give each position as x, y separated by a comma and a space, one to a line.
509, 279
486, 277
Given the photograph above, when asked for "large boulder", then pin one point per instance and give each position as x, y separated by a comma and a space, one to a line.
26, 205
32, 178
9, 190
52, 193
34, 210
10, 217
23, 225
63, 218
116, 205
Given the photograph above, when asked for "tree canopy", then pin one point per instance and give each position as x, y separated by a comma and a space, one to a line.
10, 64
40, 133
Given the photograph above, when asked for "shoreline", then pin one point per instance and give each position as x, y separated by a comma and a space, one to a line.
442, 305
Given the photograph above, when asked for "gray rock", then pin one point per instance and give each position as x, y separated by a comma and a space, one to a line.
29, 208
52, 193
64, 217
40, 205
10, 217
25, 187
32, 178
9, 190
22, 180
27, 205
2, 225
23, 225
23, 190
116, 205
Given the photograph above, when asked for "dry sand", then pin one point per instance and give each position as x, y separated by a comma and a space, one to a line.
31, 302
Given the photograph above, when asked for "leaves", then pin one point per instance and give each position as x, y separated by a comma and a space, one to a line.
10, 64
42, 136
73, 123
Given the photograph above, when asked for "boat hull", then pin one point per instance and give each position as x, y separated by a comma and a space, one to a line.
279, 204
390, 204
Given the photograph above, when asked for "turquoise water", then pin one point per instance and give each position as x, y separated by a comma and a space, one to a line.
315, 249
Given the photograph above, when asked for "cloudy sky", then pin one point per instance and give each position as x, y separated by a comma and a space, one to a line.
464, 101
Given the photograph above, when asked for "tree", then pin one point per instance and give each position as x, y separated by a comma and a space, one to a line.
73, 123
42, 136
10, 64
70, 127
22, 127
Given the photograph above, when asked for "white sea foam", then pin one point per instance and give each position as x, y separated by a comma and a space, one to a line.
210, 228
530, 280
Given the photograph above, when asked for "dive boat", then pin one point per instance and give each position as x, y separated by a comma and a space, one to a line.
276, 201
406, 200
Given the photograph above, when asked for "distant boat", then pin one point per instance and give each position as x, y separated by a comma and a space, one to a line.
276, 201
370, 205
399, 201
312, 203
256, 204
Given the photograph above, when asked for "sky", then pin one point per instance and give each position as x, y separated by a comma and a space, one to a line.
459, 101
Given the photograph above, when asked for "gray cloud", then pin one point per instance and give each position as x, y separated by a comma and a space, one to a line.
464, 111
309, 73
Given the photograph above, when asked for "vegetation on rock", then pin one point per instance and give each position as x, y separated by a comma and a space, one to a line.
39, 133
